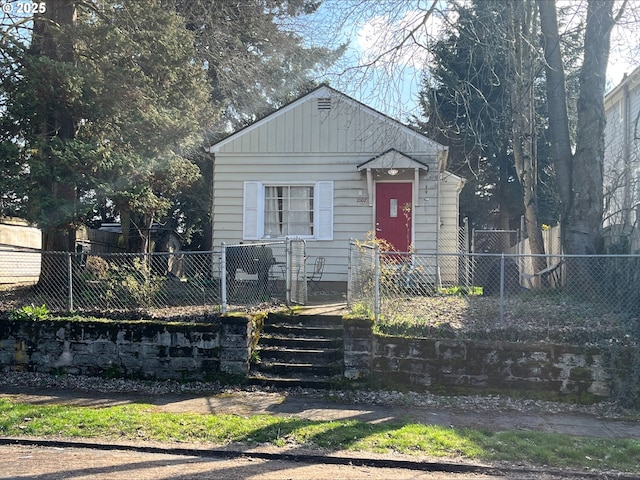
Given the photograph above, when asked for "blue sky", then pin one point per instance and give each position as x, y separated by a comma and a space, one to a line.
392, 83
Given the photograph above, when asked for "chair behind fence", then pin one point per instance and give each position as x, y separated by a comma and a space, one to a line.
261, 273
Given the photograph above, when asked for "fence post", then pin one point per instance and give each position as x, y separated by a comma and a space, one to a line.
501, 288
349, 274
288, 271
70, 280
465, 251
376, 294
223, 278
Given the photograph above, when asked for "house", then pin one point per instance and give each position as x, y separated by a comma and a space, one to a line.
328, 168
20, 246
622, 165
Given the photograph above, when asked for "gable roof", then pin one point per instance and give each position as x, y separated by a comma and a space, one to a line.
393, 158
323, 91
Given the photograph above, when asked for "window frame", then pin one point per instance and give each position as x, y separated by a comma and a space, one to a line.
253, 209
288, 187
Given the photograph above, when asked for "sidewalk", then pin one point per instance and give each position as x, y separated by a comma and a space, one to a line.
242, 402
66, 458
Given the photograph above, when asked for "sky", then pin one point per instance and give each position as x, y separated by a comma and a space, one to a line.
388, 79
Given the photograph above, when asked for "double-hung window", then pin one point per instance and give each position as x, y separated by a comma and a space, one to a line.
288, 211
279, 210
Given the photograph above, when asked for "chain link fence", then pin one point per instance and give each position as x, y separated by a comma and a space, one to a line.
260, 273
426, 292
229, 278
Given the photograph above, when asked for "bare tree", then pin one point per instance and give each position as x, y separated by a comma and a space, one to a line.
522, 31
579, 174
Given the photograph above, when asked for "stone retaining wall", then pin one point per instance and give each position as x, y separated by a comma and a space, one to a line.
137, 349
201, 351
450, 364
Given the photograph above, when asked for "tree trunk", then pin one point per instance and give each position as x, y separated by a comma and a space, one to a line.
59, 233
584, 226
206, 168
522, 71
57, 123
579, 175
136, 230
557, 104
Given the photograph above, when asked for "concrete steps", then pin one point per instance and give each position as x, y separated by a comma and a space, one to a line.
299, 351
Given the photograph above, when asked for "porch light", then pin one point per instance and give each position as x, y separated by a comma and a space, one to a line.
392, 171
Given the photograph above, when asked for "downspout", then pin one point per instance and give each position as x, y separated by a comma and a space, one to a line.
442, 160
415, 194
213, 194
627, 156
438, 180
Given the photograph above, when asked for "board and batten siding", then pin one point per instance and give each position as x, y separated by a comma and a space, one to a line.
344, 128
352, 215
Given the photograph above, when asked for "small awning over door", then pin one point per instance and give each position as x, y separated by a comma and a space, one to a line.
392, 162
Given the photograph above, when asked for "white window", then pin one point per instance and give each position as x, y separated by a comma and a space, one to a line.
288, 211
278, 210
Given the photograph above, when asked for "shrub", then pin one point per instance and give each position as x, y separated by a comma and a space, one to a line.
133, 283
30, 312
97, 267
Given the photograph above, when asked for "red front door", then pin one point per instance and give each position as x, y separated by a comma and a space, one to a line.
394, 212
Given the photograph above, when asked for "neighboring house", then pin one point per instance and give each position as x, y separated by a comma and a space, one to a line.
622, 164
328, 168
20, 245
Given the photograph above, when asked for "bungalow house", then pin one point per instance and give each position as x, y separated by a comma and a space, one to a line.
328, 168
622, 165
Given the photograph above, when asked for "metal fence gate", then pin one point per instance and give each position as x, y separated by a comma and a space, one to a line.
297, 268
256, 273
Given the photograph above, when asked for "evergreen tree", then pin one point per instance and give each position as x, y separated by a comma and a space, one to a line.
255, 62
483, 98
98, 99
465, 103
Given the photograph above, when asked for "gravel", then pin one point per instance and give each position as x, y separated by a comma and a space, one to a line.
475, 403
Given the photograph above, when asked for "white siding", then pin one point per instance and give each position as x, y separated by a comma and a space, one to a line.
450, 186
622, 164
351, 216
303, 144
345, 128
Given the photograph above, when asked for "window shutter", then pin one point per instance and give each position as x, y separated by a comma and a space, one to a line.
252, 211
324, 214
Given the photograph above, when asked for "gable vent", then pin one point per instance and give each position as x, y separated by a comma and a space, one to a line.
324, 103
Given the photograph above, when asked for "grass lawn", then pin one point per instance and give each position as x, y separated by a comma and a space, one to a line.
142, 422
